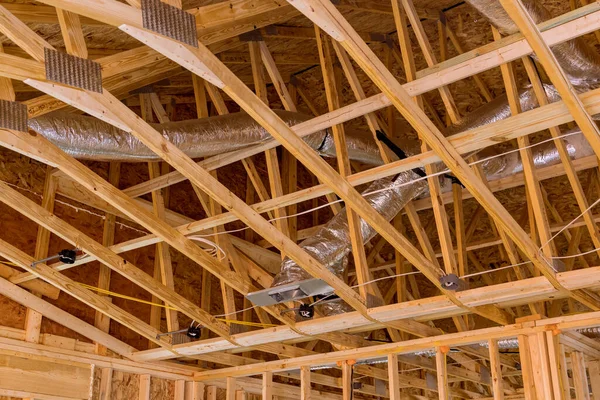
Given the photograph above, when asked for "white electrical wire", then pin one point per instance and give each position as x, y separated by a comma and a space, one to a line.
215, 250
235, 312
439, 173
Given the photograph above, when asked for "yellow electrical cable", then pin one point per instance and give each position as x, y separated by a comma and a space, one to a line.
122, 296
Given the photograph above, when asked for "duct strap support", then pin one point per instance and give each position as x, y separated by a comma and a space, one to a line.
73, 71
252, 36
13, 115
169, 21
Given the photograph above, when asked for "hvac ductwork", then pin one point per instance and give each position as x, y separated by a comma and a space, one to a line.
580, 62
89, 138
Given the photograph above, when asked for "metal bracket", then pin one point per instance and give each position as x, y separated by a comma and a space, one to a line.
252, 36
73, 71
13, 116
169, 21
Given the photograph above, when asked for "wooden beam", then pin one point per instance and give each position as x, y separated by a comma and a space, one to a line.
506, 295
354, 223
430, 78
394, 385
72, 288
162, 254
442, 373
496, 370
49, 221
267, 393
580, 381
206, 64
410, 346
70, 27
108, 239
61, 317
144, 392
305, 388
527, 26
347, 383
325, 15
33, 320
105, 384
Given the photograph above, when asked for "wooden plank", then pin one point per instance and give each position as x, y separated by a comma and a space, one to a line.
70, 27
580, 381
532, 183
260, 87
144, 387
179, 392
442, 373
496, 370
560, 380
267, 393
108, 239
162, 253
106, 384
394, 385
305, 387
231, 389
347, 384
45, 378
354, 223
33, 320
594, 371
430, 57
63, 318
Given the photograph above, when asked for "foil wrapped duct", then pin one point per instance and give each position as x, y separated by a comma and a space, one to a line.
89, 138
580, 62
331, 244
498, 109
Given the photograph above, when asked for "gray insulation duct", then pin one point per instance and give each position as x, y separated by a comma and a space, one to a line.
89, 138
580, 62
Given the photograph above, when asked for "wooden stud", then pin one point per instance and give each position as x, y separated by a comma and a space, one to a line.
442, 373
267, 392
394, 386
580, 381
33, 320
230, 389
594, 371
211, 393
106, 384
347, 383
496, 370
70, 27
179, 393
144, 387
305, 387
